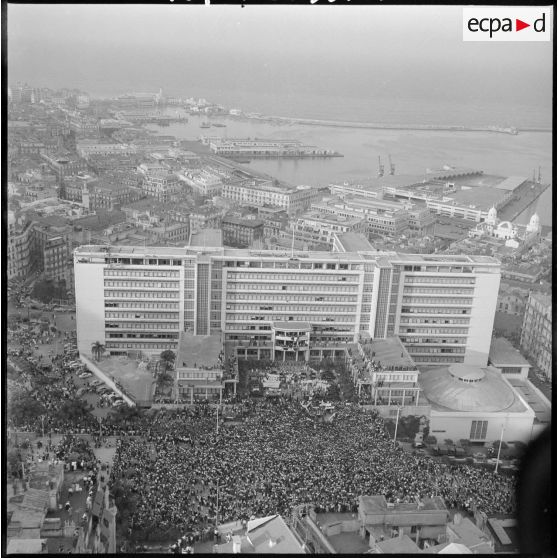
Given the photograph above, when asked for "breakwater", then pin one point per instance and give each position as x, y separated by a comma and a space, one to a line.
386, 126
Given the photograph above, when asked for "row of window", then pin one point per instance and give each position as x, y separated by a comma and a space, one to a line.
443, 331
434, 321
142, 325
281, 317
291, 288
435, 350
142, 335
141, 294
285, 307
438, 359
426, 300
143, 305
435, 310
143, 315
440, 280
434, 290
148, 284
292, 277
435, 340
292, 298
152, 346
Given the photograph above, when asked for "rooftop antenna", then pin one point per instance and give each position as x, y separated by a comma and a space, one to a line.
539, 177
391, 166
534, 179
380, 167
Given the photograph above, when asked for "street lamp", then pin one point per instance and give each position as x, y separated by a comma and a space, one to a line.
217, 510
396, 425
499, 448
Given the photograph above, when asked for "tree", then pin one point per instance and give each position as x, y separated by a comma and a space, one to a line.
168, 358
163, 381
23, 408
97, 349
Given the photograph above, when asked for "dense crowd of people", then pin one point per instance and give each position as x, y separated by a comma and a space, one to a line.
279, 458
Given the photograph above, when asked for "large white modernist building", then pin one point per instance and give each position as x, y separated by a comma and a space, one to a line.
140, 299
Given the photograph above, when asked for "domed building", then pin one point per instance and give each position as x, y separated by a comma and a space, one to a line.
473, 403
513, 234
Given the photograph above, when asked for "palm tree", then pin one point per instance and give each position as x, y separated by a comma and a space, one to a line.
97, 349
168, 357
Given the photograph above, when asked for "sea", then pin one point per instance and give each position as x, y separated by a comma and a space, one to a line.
412, 152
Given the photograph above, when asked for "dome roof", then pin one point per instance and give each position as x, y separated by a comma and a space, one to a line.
460, 387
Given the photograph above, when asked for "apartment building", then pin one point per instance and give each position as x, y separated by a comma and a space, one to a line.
19, 239
318, 228
536, 333
87, 148
387, 221
133, 298
203, 182
161, 185
51, 249
241, 233
252, 193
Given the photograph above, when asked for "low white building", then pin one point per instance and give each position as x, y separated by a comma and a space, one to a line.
475, 403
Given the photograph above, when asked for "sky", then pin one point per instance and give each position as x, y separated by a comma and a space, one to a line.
338, 50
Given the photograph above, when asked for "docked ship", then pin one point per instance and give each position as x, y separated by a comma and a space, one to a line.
219, 125
205, 125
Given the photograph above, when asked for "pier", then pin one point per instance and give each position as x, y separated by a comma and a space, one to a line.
524, 196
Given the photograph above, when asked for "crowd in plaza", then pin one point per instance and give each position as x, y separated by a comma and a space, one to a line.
279, 458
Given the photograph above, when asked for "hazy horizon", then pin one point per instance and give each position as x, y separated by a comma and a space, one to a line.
284, 52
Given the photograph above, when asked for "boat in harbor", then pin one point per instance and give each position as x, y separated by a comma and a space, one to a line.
205, 125
219, 125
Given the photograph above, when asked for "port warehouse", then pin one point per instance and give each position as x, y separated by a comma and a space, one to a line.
465, 193
240, 147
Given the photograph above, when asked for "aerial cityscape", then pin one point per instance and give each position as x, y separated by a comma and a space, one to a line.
309, 313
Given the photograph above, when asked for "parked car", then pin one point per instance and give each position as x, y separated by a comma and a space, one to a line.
417, 445
118, 403
85, 375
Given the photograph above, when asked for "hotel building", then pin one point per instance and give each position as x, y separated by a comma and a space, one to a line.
275, 304
291, 199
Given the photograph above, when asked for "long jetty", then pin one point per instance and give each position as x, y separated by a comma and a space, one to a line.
385, 126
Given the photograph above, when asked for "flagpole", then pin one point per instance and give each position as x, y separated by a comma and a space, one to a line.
499, 448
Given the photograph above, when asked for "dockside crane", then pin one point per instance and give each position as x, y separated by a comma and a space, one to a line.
380, 167
391, 166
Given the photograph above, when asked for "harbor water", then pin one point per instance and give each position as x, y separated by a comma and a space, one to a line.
412, 152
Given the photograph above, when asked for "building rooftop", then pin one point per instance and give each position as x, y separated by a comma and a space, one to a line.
481, 197
398, 545
207, 238
503, 353
253, 223
390, 352
378, 505
511, 183
354, 242
198, 351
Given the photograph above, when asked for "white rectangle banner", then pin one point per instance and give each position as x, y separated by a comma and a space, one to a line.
512, 23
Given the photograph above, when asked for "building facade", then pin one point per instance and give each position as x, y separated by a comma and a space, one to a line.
442, 307
536, 333
292, 200
241, 233
19, 246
